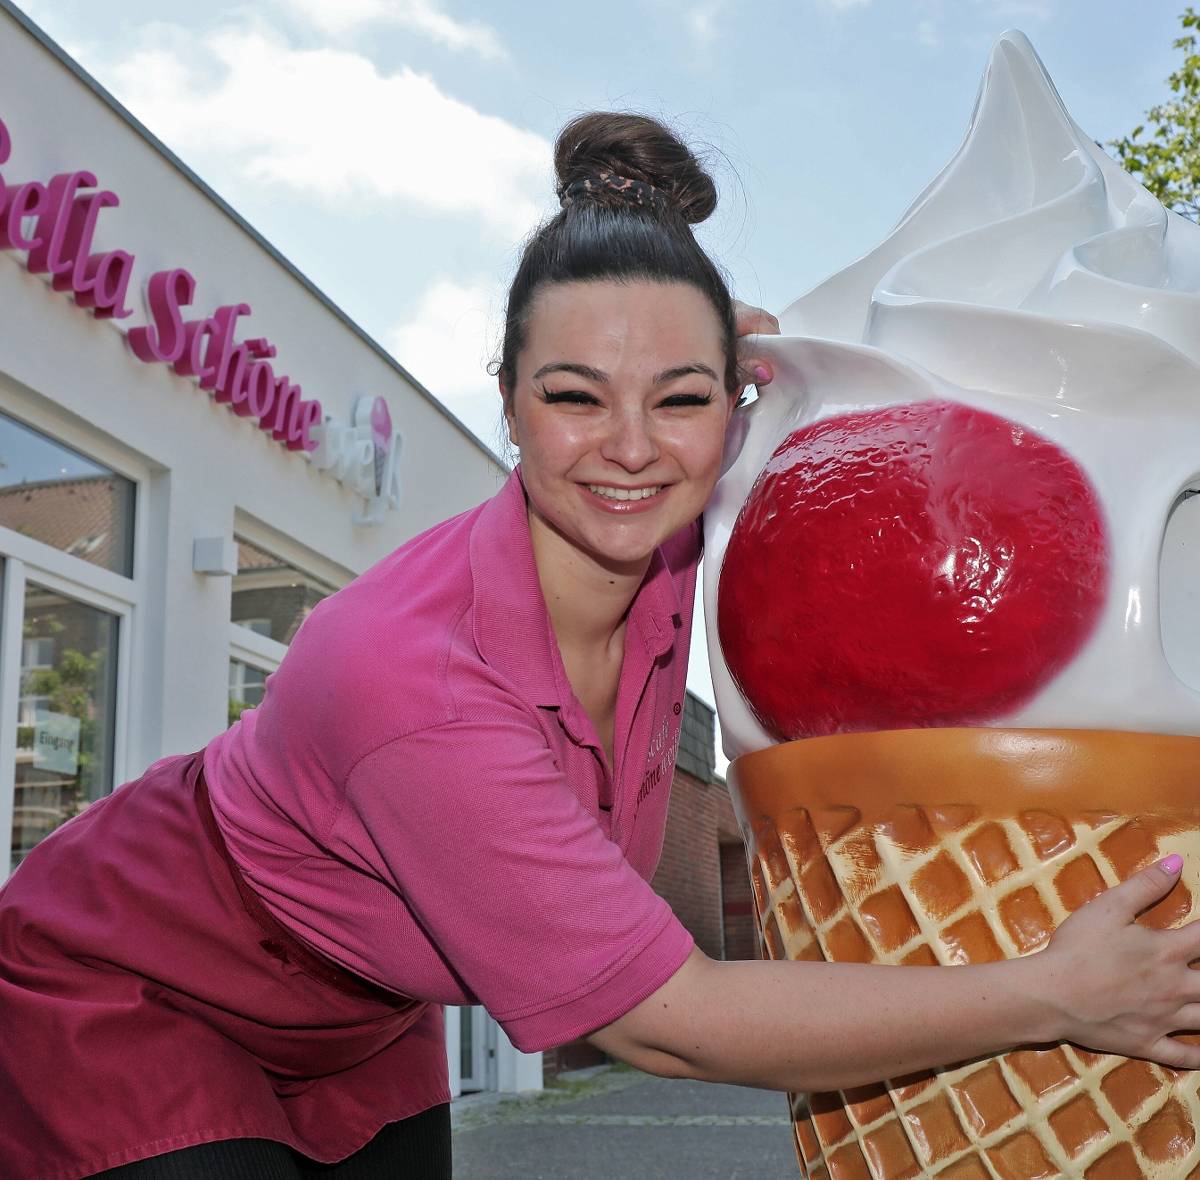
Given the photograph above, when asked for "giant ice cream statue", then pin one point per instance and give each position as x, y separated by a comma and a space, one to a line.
948, 603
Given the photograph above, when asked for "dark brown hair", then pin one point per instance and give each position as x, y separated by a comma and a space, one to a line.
605, 236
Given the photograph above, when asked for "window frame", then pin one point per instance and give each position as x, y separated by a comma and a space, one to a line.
24, 559
52, 572
254, 649
250, 647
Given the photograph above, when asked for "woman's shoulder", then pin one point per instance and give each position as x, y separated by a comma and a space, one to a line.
423, 582
406, 597
392, 653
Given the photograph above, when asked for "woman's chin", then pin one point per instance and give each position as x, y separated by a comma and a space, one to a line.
623, 551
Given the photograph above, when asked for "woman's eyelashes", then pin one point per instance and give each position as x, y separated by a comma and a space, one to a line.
572, 397
688, 399
576, 397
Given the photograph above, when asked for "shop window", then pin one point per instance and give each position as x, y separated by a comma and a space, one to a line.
57, 496
66, 713
246, 687
272, 597
38, 653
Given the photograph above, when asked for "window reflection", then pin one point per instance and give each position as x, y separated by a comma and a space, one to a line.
246, 688
65, 713
272, 597
59, 497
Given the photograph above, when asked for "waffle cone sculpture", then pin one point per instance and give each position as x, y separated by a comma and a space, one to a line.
952, 846
950, 584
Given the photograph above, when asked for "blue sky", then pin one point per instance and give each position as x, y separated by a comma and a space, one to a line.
397, 150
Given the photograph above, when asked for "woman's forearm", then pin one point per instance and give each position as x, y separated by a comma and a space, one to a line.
819, 1026
1104, 981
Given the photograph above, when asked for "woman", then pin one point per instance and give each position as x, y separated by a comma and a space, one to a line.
453, 792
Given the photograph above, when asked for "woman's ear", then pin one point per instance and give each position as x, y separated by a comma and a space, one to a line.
510, 419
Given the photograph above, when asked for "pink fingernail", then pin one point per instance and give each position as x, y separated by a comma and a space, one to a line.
1171, 864
762, 373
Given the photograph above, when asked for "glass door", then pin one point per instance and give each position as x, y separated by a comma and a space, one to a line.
476, 1054
59, 665
66, 713
67, 598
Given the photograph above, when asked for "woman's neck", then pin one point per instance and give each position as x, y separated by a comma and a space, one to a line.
587, 598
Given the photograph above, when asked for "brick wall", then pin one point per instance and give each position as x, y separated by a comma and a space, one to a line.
689, 873
702, 872
737, 902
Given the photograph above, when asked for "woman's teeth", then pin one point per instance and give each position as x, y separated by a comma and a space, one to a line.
624, 493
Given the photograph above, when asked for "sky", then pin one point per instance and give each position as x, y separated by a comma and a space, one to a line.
398, 151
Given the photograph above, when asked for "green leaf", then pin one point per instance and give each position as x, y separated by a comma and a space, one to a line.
1167, 159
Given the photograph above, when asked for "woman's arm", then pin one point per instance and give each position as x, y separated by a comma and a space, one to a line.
1103, 982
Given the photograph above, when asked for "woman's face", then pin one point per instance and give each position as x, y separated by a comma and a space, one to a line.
619, 409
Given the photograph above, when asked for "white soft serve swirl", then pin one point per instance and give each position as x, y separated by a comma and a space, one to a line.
1036, 279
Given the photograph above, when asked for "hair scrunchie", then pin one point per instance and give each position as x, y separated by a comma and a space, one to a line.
601, 184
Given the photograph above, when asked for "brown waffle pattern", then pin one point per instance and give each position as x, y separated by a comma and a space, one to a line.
950, 885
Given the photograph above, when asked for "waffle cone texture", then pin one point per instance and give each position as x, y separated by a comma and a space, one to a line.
954, 846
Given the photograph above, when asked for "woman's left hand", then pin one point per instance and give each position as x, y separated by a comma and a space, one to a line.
751, 321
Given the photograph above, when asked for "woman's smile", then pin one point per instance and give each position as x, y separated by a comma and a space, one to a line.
627, 499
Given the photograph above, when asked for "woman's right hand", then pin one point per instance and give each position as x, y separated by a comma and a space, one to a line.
753, 321
1120, 987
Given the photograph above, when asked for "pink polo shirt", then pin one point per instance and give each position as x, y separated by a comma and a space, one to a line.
421, 798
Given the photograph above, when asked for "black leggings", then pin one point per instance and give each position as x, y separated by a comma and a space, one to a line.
413, 1149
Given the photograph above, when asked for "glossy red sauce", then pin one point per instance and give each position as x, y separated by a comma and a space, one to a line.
921, 565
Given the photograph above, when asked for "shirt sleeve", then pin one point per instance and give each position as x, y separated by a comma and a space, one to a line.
516, 884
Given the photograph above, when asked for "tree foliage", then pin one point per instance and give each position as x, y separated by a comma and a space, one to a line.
1163, 151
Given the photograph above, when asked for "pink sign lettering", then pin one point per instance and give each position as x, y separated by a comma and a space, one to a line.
64, 212
60, 242
238, 373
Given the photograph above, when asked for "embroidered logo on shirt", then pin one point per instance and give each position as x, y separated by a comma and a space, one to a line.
664, 746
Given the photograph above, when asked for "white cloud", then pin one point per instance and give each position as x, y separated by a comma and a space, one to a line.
841, 5
447, 343
347, 17
327, 124
702, 20
928, 34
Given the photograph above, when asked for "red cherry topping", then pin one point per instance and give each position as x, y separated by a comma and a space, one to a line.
921, 565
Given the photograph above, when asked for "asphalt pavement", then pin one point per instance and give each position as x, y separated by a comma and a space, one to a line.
619, 1122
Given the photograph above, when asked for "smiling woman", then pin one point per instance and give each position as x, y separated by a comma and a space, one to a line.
620, 448
453, 791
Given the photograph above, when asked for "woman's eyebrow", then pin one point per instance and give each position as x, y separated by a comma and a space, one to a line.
602, 378
572, 367
683, 370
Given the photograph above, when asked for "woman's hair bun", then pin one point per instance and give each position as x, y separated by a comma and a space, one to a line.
635, 147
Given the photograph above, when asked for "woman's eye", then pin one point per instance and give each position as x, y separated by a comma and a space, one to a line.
687, 399
571, 397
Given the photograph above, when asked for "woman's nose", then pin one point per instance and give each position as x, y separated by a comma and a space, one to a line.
630, 442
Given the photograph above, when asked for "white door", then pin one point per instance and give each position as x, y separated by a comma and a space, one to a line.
476, 1049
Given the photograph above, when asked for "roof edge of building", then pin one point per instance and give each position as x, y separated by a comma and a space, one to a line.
68, 62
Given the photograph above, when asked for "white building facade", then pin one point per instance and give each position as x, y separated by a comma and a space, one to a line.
196, 446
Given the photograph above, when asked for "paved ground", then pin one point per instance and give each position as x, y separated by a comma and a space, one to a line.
626, 1124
